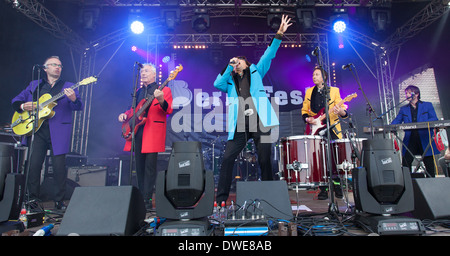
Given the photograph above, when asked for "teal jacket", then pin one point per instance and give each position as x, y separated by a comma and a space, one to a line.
225, 83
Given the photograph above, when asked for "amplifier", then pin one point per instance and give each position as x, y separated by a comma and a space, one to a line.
88, 176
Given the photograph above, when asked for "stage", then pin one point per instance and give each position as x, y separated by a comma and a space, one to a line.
313, 218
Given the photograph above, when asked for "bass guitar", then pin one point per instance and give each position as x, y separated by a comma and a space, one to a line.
319, 124
141, 109
22, 123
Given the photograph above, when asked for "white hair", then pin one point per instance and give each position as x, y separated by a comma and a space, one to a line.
152, 66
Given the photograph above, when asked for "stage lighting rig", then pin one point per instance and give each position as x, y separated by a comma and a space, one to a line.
306, 14
171, 13
381, 16
200, 20
135, 21
339, 20
274, 18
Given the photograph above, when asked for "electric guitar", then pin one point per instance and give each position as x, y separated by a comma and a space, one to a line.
319, 119
22, 123
141, 109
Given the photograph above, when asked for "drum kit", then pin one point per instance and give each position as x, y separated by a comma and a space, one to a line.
302, 160
246, 167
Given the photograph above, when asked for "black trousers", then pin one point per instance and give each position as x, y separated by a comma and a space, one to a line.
146, 164
232, 150
415, 146
42, 143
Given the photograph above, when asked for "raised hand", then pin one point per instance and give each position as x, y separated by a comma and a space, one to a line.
285, 23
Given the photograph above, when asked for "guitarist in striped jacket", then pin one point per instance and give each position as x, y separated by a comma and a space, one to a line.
313, 110
54, 133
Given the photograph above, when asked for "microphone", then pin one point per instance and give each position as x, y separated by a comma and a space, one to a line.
412, 96
39, 66
344, 67
321, 133
139, 64
316, 51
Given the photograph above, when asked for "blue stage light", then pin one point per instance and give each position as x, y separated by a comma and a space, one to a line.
137, 27
339, 26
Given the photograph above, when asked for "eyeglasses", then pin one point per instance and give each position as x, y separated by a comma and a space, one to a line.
54, 65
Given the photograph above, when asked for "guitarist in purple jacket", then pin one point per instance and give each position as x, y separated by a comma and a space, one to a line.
54, 133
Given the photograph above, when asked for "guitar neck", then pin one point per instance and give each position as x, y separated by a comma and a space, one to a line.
150, 99
57, 96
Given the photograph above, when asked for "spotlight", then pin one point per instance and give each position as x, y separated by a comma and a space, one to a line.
200, 20
339, 20
135, 21
306, 14
381, 17
170, 13
137, 27
339, 26
274, 18
133, 48
166, 59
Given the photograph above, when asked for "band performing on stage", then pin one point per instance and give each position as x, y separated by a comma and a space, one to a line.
327, 157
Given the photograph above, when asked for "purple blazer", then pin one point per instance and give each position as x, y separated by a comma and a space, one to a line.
61, 124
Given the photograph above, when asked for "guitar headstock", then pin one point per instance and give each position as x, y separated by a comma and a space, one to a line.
88, 80
350, 97
175, 72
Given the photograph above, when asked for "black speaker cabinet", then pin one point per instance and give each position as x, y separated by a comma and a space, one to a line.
103, 211
431, 198
272, 195
11, 202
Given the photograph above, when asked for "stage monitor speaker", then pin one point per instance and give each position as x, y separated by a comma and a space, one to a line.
6, 164
14, 191
431, 198
273, 196
103, 211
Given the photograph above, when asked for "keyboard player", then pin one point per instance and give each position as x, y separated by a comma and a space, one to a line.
417, 140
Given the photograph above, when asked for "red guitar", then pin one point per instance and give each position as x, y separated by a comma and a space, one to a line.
319, 119
142, 107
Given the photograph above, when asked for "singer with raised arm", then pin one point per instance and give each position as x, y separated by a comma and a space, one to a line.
250, 113
417, 140
150, 136
314, 116
54, 133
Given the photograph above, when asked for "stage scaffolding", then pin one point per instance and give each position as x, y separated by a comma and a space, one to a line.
228, 8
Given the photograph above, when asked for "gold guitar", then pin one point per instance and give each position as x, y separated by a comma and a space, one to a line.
22, 123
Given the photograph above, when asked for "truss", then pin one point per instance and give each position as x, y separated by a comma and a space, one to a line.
48, 21
228, 8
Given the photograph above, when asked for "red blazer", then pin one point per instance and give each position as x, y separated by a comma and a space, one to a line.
154, 134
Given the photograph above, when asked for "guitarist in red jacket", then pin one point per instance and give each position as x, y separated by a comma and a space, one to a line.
150, 137
313, 107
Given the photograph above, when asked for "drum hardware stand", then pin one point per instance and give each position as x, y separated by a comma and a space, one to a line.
346, 166
297, 167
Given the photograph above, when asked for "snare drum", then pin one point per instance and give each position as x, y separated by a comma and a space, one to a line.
343, 152
302, 160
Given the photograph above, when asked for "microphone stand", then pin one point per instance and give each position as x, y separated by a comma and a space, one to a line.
133, 124
332, 208
34, 113
369, 106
